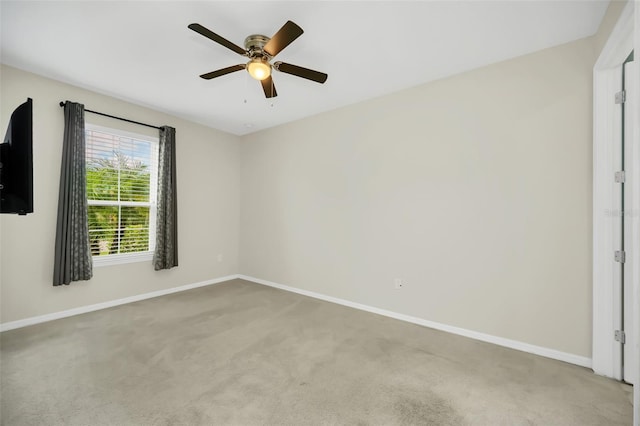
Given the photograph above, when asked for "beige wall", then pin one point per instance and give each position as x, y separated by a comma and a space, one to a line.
475, 190
208, 205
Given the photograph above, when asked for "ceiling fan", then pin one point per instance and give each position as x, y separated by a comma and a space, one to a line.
261, 50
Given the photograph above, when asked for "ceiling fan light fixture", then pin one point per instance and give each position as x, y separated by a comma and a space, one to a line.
259, 69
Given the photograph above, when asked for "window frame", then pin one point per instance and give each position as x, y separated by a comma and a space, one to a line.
141, 256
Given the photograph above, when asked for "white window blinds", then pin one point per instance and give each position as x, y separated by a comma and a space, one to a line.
121, 191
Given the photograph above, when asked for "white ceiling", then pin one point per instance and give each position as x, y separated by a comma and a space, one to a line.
143, 52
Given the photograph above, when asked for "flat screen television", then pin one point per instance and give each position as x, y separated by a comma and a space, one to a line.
16, 162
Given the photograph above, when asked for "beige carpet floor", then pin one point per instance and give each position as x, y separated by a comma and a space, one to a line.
239, 353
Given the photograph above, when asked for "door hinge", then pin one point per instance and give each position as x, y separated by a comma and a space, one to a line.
621, 97
620, 177
620, 256
620, 336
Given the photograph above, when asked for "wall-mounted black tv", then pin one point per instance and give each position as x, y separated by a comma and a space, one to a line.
16, 162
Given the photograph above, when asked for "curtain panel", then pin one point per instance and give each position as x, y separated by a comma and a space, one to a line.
72, 261
166, 253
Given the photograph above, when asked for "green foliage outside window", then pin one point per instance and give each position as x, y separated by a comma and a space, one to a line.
117, 229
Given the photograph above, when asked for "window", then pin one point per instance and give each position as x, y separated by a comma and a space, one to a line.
121, 195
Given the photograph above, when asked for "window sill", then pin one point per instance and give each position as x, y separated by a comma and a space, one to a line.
118, 259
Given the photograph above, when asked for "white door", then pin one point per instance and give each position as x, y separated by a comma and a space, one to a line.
631, 219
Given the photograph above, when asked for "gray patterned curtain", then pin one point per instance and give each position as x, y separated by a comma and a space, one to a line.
72, 253
166, 254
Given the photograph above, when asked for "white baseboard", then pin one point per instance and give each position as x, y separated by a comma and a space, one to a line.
513, 344
90, 308
501, 341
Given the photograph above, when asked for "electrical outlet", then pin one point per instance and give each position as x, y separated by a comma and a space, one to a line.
397, 283
220, 258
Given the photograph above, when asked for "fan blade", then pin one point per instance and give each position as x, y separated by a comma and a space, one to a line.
223, 71
285, 35
268, 87
316, 76
218, 39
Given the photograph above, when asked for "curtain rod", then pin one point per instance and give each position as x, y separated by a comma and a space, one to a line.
113, 116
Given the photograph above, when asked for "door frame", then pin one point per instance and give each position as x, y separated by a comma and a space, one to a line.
606, 297
632, 230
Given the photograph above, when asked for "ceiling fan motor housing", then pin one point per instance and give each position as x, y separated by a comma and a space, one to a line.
255, 45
